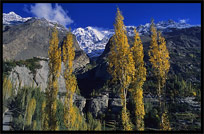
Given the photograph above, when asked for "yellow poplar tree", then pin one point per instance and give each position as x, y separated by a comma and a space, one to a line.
44, 117
138, 81
7, 89
70, 81
159, 58
121, 64
30, 111
34, 125
54, 54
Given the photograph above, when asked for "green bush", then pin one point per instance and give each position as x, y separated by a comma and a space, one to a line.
18, 123
60, 115
93, 124
8, 66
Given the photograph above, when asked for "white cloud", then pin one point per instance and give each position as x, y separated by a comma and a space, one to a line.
183, 20
57, 14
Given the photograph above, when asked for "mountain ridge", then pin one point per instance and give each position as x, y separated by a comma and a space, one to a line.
93, 40
31, 39
12, 18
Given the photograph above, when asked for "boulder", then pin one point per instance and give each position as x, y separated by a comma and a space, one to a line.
99, 105
79, 101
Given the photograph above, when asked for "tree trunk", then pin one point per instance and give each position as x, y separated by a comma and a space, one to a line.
160, 103
125, 98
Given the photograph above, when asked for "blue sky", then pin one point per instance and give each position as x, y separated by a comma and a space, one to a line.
103, 14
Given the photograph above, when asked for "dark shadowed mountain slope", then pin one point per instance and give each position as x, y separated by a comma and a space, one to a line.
184, 46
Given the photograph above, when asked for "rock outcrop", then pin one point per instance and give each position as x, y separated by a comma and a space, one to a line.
80, 102
22, 76
99, 105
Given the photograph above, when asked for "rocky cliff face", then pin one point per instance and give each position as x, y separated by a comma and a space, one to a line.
21, 76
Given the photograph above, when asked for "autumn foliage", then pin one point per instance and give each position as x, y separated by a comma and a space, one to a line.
54, 54
30, 111
121, 63
159, 58
70, 116
138, 81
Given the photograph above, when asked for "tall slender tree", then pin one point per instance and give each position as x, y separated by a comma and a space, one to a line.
70, 81
54, 54
121, 64
44, 117
138, 81
159, 58
7, 89
26, 101
30, 111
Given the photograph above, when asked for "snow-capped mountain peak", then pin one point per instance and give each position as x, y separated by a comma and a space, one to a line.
12, 18
172, 24
12, 13
162, 26
92, 40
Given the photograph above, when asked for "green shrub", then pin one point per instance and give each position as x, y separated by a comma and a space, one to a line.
93, 124
18, 123
8, 66
60, 115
